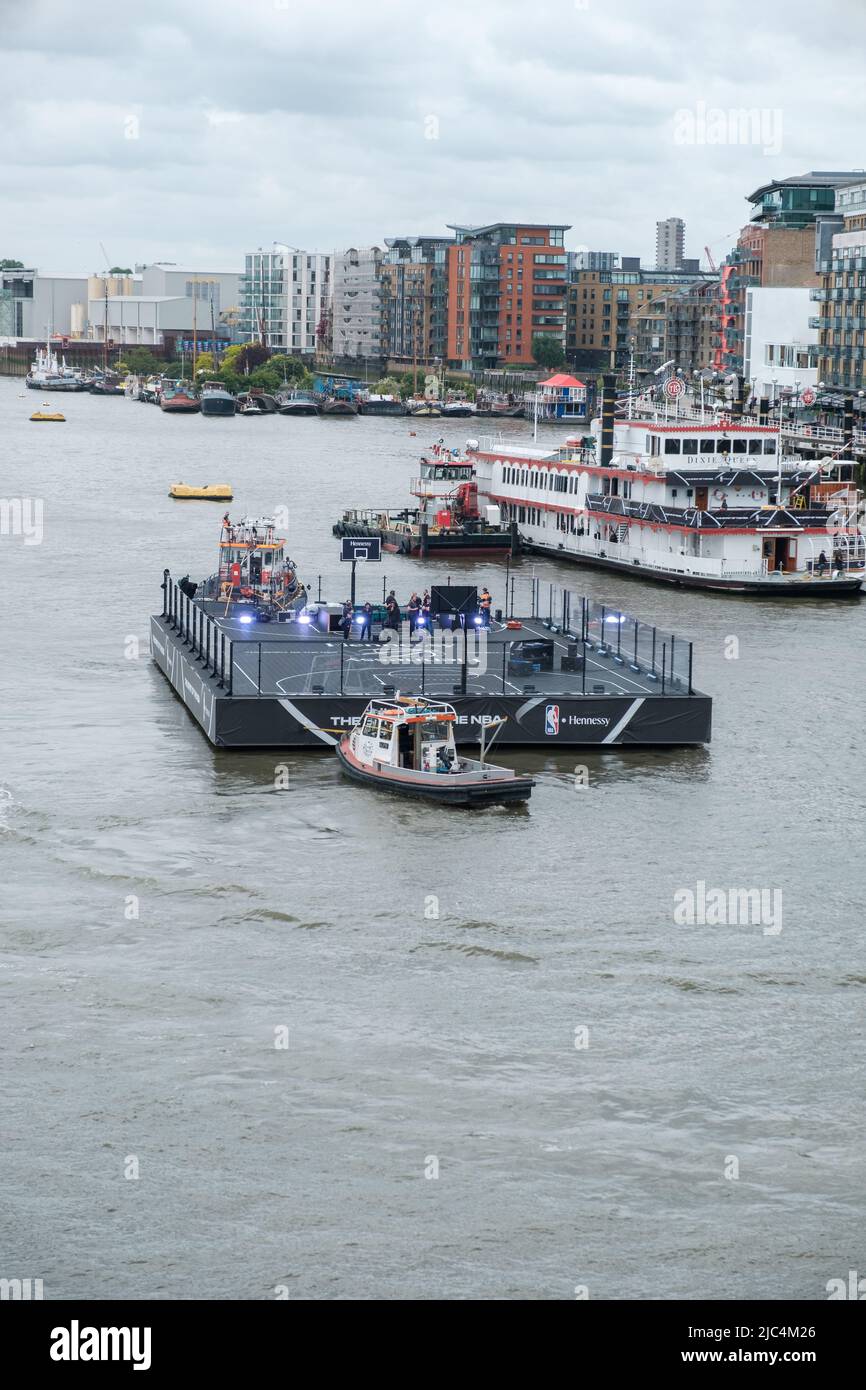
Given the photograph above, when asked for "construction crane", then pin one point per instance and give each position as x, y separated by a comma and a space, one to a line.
710, 261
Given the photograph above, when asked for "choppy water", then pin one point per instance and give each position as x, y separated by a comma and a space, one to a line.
411, 1037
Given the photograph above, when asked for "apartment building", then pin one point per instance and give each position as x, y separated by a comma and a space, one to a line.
357, 302
670, 243
605, 308
285, 295
841, 320
777, 250
413, 298
679, 326
506, 284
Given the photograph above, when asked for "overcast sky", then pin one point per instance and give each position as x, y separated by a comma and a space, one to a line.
196, 130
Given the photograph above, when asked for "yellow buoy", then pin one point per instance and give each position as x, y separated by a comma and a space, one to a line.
47, 415
211, 492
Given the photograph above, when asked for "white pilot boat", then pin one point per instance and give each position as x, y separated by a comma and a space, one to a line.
406, 745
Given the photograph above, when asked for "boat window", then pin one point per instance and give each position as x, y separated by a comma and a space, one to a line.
740, 446
434, 729
708, 446
690, 446
754, 446
672, 446
723, 446
371, 727
769, 446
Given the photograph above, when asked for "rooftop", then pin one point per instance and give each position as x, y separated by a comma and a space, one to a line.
817, 178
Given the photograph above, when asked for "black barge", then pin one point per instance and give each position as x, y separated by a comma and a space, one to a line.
577, 675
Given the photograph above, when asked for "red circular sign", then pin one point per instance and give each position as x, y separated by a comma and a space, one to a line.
675, 387
808, 396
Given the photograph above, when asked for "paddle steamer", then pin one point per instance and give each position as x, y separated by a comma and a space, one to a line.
691, 499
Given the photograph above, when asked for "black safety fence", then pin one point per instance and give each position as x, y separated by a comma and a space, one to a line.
574, 645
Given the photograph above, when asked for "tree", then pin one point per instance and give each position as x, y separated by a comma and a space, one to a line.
120, 270
11, 265
204, 364
241, 357
143, 362
388, 386
548, 351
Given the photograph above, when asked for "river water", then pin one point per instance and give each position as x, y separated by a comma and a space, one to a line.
509, 1072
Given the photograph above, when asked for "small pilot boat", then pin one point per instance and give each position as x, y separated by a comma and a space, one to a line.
406, 745
210, 492
47, 414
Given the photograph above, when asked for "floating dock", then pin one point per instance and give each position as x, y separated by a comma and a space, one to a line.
597, 677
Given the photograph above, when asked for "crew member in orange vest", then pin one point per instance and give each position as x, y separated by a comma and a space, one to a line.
484, 603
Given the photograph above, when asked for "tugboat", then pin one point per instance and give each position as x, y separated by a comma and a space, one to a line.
179, 397
49, 374
448, 521
255, 574
216, 400
406, 745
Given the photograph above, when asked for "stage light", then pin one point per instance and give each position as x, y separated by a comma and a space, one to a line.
245, 618
304, 618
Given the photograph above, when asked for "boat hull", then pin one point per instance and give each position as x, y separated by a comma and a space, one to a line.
382, 408
760, 588
184, 405
299, 408
214, 407
466, 543
337, 410
472, 790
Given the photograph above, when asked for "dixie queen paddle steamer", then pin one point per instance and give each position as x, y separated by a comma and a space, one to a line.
708, 502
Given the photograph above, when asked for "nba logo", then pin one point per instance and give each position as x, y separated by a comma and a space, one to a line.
551, 720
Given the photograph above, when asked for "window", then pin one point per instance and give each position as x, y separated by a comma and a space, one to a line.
690, 446
672, 446
754, 446
723, 446
708, 446
769, 446
371, 728
740, 446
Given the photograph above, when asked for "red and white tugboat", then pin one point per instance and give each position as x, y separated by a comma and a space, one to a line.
448, 521
406, 745
256, 578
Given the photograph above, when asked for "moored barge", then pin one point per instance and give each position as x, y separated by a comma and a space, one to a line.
448, 522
